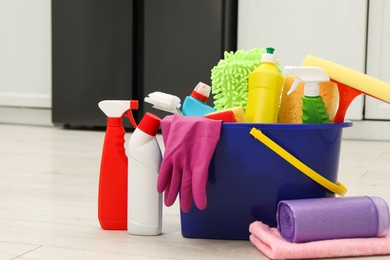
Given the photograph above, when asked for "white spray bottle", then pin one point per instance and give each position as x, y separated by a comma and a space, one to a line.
313, 107
144, 210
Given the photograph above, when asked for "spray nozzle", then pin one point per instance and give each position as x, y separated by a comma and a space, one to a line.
128, 113
311, 76
119, 108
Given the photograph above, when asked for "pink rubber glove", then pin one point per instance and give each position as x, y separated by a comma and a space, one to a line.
189, 146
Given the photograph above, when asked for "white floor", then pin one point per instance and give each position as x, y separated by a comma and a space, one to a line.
48, 200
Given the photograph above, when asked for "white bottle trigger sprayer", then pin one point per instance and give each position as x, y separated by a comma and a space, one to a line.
313, 107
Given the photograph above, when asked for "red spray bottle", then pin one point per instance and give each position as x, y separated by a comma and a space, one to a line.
112, 197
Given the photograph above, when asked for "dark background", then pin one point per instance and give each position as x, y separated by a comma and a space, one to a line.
126, 49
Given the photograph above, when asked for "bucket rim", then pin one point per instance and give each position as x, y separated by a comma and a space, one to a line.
287, 126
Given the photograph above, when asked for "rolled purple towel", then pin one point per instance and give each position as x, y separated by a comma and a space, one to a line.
307, 220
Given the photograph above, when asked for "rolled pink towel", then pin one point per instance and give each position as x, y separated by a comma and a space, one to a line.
273, 245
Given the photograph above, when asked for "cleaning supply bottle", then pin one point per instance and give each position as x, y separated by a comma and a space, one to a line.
313, 107
195, 104
144, 202
112, 196
264, 91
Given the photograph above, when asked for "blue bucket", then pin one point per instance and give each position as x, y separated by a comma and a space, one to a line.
247, 179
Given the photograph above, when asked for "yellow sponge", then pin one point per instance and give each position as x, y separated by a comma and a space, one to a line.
234, 114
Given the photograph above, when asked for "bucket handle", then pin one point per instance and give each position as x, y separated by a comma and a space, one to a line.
337, 188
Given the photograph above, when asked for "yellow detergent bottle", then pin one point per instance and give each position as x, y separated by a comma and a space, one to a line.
264, 91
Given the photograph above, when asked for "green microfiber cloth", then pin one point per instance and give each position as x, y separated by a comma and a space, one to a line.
229, 79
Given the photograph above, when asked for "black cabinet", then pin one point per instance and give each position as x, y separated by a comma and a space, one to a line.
125, 49
92, 58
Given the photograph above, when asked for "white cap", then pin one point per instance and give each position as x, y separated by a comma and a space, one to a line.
269, 56
201, 92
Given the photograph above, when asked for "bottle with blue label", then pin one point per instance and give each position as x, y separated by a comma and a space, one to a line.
195, 104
